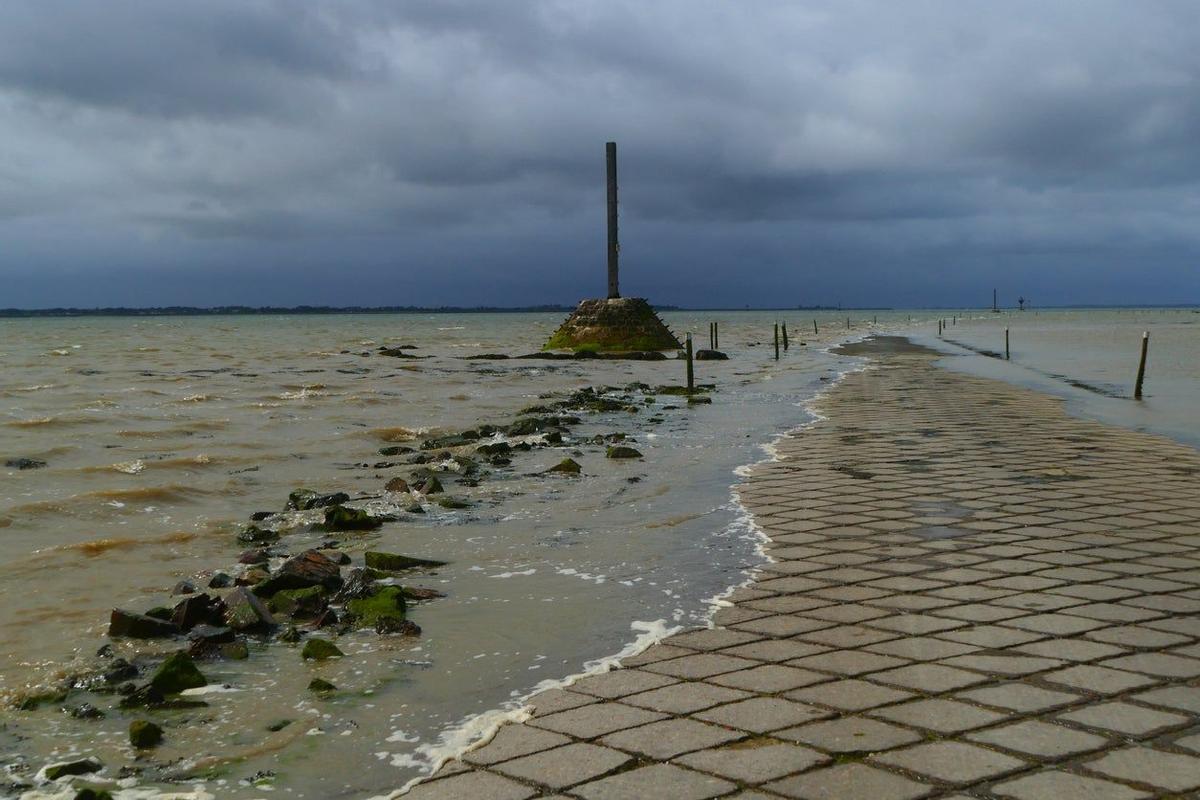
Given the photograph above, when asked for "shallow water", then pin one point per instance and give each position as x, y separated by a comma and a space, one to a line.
163, 434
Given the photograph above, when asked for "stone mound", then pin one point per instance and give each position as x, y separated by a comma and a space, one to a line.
618, 324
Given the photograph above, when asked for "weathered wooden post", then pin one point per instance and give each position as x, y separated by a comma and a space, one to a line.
785, 339
614, 247
814, 327
776, 341
1006, 353
847, 323
711, 346
691, 377
939, 327
716, 336
1137, 387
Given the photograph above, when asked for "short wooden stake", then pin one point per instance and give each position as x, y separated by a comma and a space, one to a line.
939, 327
716, 336
1006, 352
847, 323
785, 339
1137, 387
711, 344
814, 327
776, 341
691, 379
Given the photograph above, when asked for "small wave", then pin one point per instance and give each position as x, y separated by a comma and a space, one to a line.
196, 398
60, 352
34, 422
396, 434
130, 467
90, 503
98, 547
35, 388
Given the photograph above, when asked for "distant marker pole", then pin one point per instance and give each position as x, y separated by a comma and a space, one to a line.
716, 336
939, 327
847, 323
814, 327
691, 380
1006, 351
785, 339
1137, 387
776, 341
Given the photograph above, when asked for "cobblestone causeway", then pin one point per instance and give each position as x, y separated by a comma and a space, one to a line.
973, 595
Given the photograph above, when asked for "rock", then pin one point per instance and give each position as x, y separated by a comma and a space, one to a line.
253, 534
454, 440
144, 734
429, 484
623, 324
244, 611
395, 450
278, 725
160, 612
88, 793
699, 401
401, 627
340, 518
397, 485
139, 626
184, 587
391, 562
336, 556
710, 355
568, 466
494, 449
252, 576
254, 556
234, 651
176, 674
210, 634
302, 603
198, 609
321, 686
359, 583
554, 437
305, 499
82, 766
24, 463
290, 635
259, 516
86, 711
326, 619
119, 670
528, 426
419, 593
309, 568
446, 501
320, 650
387, 602
622, 452
220, 580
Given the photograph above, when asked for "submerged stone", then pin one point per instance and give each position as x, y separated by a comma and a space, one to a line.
445, 501
392, 562
320, 650
244, 611
253, 534
198, 609
568, 466
306, 499
88, 793
321, 686
24, 463
397, 485
613, 324
622, 451
176, 674
144, 734
308, 602
428, 484
82, 766
711, 355
310, 568
386, 603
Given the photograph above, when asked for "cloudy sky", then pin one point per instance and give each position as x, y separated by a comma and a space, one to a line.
452, 151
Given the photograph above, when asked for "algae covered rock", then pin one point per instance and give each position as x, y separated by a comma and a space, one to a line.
306, 603
81, 766
310, 568
253, 534
568, 466
386, 603
393, 562
144, 734
621, 324
340, 518
139, 626
397, 485
319, 686
320, 650
177, 674
306, 499
621, 451
244, 611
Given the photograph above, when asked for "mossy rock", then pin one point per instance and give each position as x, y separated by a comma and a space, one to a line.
298, 602
177, 674
393, 562
82, 766
253, 534
568, 466
319, 686
699, 401
619, 324
452, 503
320, 650
144, 734
340, 518
386, 603
622, 451
90, 793
160, 612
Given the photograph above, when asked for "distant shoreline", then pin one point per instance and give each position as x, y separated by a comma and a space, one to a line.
194, 311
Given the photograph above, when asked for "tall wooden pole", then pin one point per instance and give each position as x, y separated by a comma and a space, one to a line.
1137, 388
785, 339
614, 247
776, 341
691, 380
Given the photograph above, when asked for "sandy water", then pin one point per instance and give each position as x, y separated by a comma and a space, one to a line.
161, 435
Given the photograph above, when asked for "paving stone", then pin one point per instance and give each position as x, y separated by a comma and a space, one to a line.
1124, 718
1164, 664
1171, 771
1100, 680
1055, 624
657, 780
782, 625
952, 762
472, 785
847, 662
1185, 698
916, 624
513, 741
668, 738
847, 781
991, 636
1137, 636
1071, 649
1058, 785
768, 678
1040, 739
940, 715
657, 652
699, 666
684, 698
755, 762
851, 735
1189, 743
711, 638
845, 636
762, 714
929, 678
564, 766
620, 682
1020, 697
775, 650
555, 700
595, 720
848, 695
1009, 664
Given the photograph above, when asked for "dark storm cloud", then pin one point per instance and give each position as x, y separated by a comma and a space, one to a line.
450, 150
